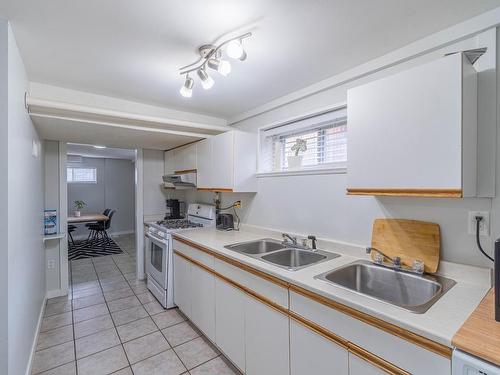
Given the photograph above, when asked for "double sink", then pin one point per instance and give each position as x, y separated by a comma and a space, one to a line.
412, 292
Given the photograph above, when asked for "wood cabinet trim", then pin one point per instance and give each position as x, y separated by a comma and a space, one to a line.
244, 289
375, 360
219, 190
185, 171
235, 263
431, 193
402, 333
353, 348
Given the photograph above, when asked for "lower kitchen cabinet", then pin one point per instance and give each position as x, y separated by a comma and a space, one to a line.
266, 339
203, 300
358, 366
230, 322
311, 353
182, 285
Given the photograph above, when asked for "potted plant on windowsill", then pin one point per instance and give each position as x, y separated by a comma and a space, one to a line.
295, 161
78, 206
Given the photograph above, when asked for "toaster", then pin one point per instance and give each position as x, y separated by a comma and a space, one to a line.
225, 222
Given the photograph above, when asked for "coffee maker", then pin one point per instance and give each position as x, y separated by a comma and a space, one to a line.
173, 209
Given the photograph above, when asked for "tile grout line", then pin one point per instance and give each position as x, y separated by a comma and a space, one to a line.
111, 316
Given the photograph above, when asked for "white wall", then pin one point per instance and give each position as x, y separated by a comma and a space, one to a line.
4, 217
154, 193
114, 189
26, 274
319, 205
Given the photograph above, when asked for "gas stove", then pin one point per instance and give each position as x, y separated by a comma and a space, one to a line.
178, 224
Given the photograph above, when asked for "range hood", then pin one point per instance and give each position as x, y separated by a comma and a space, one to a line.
181, 179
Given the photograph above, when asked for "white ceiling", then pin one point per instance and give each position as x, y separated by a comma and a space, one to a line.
92, 152
132, 49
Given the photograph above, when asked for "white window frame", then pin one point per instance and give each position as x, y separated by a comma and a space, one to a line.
341, 168
81, 167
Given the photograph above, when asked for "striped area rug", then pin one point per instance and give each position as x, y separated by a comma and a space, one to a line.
96, 248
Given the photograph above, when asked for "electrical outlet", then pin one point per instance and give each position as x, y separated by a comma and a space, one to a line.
484, 225
51, 264
237, 204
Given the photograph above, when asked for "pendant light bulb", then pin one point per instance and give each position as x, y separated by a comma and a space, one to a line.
206, 81
187, 88
222, 66
234, 49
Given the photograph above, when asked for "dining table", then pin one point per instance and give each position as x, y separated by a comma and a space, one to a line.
87, 218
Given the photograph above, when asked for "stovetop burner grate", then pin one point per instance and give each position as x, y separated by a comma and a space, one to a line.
178, 224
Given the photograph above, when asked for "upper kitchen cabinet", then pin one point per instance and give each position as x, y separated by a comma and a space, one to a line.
227, 162
184, 158
414, 133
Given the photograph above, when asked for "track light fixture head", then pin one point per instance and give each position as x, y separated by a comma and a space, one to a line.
187, 89
211, 55
206, 81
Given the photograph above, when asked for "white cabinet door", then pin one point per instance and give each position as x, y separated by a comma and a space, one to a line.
185, 157
311, 353
230, 322
204, 163
169, 166
182, 285
408, 131
358, 366
203, 300
266, 339
222, 161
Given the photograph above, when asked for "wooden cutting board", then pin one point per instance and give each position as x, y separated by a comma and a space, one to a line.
408, 239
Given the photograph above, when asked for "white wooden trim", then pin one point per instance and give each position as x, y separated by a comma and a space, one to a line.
56, 293
35, 339
453, 34
139, 214
303, 172
52, 107
63, 217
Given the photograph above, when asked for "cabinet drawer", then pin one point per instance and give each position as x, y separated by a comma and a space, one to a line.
267, 289
191, 252
391, 348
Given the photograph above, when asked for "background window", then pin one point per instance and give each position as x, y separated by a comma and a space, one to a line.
325, 136
82, 175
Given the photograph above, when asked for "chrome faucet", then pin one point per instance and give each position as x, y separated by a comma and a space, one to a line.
286, 236
417, 267
396, 261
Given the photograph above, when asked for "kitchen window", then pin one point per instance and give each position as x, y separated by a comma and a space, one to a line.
83, 175
323, 141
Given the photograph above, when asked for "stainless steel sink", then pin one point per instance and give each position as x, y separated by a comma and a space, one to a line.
263, 246
412, 292
297, 258
274, 252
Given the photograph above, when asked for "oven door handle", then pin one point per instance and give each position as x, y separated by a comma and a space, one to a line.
159, 241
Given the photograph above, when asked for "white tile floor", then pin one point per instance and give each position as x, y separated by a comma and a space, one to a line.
111, 324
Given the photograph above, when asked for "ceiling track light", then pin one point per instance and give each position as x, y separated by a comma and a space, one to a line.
211, 56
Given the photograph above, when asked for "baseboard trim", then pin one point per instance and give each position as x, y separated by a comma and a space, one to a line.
35, 340
56, 293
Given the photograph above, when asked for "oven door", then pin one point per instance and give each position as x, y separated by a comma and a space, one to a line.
156, 258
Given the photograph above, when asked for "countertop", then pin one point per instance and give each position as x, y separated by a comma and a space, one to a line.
480, 334
439, 323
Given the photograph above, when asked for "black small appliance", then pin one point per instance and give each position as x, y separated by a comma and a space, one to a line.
173, 209
497, 280
225, 222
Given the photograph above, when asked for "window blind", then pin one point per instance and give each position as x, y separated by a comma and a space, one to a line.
82, 175
325, 136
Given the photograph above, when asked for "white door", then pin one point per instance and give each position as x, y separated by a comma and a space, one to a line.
230, 322
358, 366
204, 163
311, 353
185, 158
266, 339
182, 285
222, 161
203, 300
